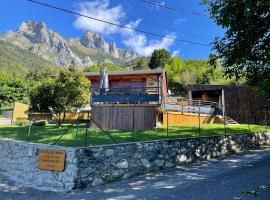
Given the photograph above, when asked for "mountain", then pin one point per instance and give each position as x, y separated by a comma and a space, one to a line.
16, 60
36, 39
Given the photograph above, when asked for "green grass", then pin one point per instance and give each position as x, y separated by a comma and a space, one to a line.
50, 133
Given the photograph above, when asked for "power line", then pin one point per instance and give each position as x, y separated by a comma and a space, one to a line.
114, 24
150, 23
174, 8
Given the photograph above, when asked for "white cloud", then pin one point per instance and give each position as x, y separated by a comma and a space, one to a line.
179, 21
160, 4
101, 9
140, 44
176, 53
132, 25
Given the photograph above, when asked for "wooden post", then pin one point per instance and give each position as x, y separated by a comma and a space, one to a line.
199, 117
167, 124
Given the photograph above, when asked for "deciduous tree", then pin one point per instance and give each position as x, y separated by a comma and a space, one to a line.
141, 64
159, 58
58, 96
12, 89
245, 48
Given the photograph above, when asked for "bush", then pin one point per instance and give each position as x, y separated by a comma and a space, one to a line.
22, 122
40, 123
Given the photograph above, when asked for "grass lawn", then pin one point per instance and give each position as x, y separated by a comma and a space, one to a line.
50, 133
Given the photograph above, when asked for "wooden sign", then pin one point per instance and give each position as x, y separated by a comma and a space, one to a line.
53, 160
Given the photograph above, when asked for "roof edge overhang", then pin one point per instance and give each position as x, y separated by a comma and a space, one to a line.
127, 73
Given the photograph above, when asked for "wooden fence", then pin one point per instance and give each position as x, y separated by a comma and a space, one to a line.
124, 117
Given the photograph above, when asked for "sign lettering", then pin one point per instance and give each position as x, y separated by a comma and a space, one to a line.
53, 160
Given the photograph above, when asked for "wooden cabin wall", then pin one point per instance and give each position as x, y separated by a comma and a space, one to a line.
244, 105
124, 117
241, 102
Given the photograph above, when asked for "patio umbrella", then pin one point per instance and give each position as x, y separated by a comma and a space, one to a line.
104, 80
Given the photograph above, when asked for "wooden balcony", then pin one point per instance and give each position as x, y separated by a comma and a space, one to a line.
124, 95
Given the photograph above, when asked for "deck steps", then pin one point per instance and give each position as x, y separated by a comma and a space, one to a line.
228, 120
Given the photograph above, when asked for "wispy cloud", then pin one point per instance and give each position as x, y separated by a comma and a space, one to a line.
176, 53
101, 9
179, 21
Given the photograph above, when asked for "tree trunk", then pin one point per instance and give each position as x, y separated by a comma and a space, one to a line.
64, 117
59, 120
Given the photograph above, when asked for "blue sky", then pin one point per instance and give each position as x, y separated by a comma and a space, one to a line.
132, 13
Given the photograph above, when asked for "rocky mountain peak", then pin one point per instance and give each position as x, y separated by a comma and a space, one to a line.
32, 26
38, 32
91, 39
95, 40
37, 38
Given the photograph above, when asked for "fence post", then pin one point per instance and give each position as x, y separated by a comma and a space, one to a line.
86, 130
133, 124
29, 129
167, 124
86, 134
223, 109
182, 107
265, 117
199, 118
248, 121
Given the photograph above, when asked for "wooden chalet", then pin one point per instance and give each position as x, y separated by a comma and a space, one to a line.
130, 87
131, 100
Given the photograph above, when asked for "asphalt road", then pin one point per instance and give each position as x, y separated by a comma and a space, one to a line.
241, 177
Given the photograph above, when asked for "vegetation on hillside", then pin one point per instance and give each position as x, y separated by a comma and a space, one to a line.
15, 60
190, 71
111, 67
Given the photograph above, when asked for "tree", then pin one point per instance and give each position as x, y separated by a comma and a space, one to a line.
110, 67
12, 89
174, 68
58, 96
159, 58
141, 64
37, 74
245, 49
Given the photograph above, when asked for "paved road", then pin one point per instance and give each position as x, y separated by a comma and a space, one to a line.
245, 176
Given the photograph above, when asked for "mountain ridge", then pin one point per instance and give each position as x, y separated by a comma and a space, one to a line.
90, 48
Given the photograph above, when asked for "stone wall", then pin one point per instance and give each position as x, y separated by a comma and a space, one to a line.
19, 161
104, 164
86, 167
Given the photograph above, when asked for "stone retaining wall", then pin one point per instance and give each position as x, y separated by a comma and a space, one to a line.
86, 167
19, 161
104, 164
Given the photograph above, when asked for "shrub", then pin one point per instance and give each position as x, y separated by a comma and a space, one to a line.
40, 123
22, 122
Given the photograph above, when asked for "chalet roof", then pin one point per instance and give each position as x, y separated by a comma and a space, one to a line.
211, 86
135, 72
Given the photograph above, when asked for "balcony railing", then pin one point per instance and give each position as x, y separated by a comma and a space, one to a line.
126, 95
194, 106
